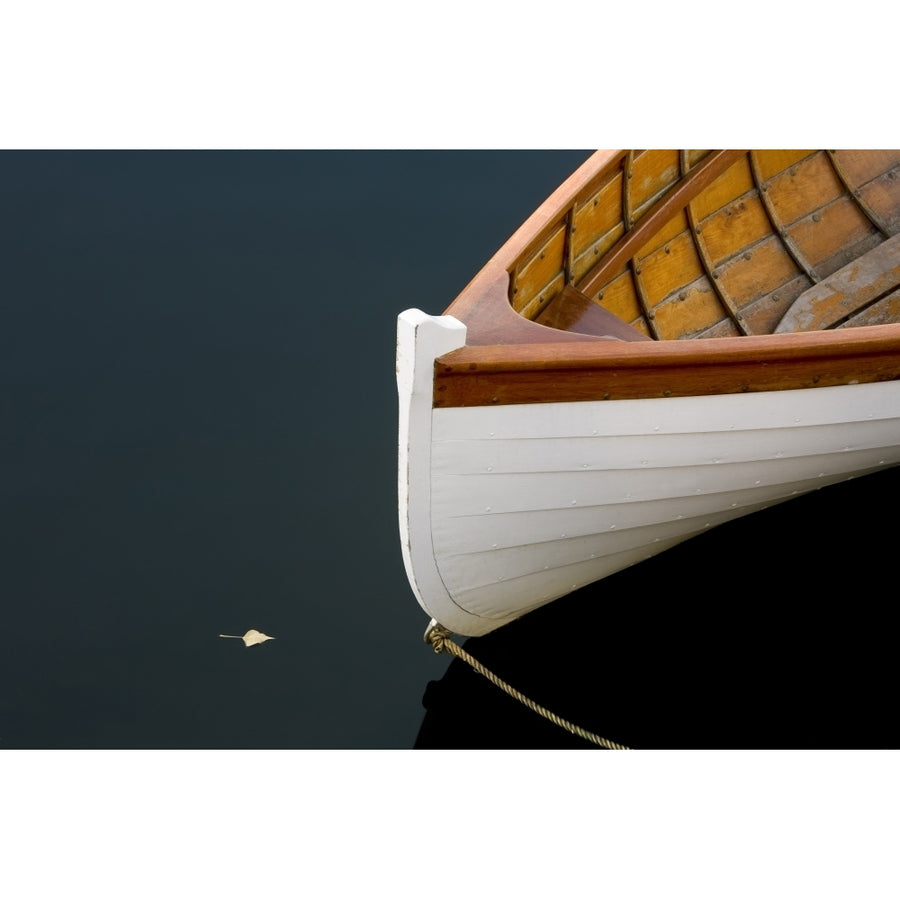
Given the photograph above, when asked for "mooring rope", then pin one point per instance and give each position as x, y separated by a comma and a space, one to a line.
439, 638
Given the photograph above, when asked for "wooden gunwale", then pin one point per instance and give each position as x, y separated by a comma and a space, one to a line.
618, 370
507, 358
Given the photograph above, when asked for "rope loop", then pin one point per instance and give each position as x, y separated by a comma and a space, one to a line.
439, 638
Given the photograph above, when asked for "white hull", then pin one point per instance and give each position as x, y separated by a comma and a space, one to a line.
505, 508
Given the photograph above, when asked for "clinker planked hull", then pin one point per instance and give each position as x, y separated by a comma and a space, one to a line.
553, 433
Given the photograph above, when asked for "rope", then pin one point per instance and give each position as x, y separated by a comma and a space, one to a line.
439, 638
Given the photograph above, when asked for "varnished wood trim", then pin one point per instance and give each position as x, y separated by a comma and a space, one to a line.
614, 370
571, 310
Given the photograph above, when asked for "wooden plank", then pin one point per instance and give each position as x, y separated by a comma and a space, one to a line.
734, 228
838, 225
620, 299
539, 271
804, 188
771, 162
670, 268
699, 309
676, 226
847, 254
756, 272
601, 245
653, 173
598, 215
882, 195
726, 189
763, 314
862, 166
847, 291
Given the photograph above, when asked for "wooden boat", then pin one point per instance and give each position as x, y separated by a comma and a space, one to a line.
671, 340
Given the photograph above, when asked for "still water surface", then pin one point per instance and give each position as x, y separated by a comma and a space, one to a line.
199, 437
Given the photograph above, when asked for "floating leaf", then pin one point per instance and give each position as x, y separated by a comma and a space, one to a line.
250, 638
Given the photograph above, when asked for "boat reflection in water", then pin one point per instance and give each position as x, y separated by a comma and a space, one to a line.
774, 631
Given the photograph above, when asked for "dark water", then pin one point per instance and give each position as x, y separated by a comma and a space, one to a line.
199, 436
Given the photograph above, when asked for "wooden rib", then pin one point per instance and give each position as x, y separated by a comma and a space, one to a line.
777, 226
634, 269
729, 307
648, 314
627, 212
569, 252
855, 195
676, 199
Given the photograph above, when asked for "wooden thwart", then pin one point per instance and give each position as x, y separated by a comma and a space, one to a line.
847, 291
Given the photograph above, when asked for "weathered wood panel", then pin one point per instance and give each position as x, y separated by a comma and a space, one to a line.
734, 228
847, 291
861, 166
727, 188
826, 232
597, 216
652, 174
771, 162
541, 269
670, 268
676, 226
759, 271
881, 195
695, 309
620, 299
601, 245
883, 312
804, 188
763, 314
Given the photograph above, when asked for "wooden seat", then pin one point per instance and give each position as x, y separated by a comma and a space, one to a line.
571, 310
858, 285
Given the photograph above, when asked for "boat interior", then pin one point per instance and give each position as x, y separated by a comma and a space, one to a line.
676, 244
